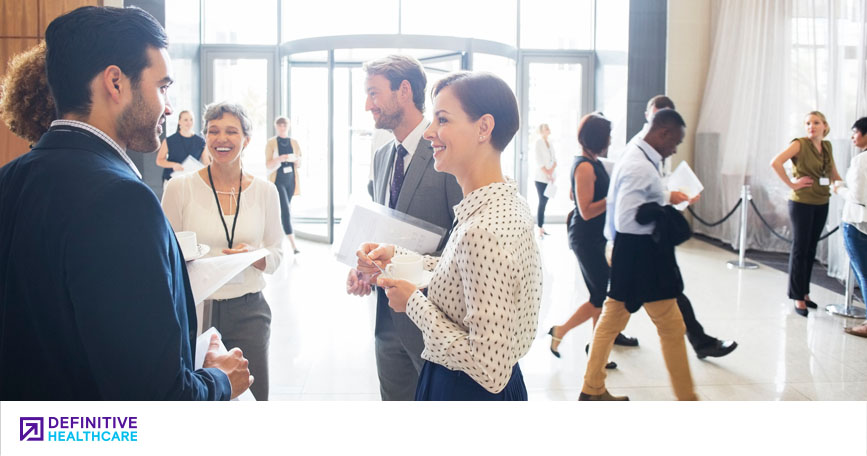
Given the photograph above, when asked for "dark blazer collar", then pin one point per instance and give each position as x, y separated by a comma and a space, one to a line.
69, 137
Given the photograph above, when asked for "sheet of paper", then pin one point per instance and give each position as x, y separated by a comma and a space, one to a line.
684, 180
370, 222
202, 344
207, 275
191, 165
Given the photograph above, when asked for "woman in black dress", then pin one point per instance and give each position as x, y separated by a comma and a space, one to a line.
283, 158
177, 147
586, 222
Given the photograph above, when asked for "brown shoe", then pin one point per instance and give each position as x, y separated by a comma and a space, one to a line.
860, 330
606, 396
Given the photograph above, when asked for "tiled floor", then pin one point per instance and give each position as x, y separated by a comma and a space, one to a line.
322, 339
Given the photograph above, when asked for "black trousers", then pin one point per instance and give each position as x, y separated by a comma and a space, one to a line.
694, 331
807, 223
543, 201
285, 183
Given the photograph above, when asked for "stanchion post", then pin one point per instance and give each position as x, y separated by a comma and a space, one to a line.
847, 309
742, 247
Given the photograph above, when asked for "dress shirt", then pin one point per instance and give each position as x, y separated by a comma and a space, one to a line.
189, 205
101, 135
666, 164
636, 181
855, 193
544, 159
482, 308
410, 143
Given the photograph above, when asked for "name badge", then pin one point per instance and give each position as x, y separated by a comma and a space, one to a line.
287, 170
824, 181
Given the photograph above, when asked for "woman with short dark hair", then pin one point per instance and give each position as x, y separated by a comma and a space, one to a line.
854, 190
586, 223
482, 309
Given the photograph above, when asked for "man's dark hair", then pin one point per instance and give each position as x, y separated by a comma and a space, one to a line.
666, 118
483, 93
82, 43
660, 102
861, 125
398, 68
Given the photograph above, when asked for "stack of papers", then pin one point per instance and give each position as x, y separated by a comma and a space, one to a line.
685, 181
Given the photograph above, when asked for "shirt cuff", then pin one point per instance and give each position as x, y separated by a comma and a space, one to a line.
415, 308
666, 195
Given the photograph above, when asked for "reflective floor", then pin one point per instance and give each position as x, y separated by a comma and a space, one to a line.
322, 339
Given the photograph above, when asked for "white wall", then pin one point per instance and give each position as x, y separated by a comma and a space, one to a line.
687, 58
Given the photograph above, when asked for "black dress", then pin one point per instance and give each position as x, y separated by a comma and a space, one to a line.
285, 182
180, 147
586, 237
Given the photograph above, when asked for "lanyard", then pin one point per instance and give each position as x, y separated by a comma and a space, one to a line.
648, 159
230, 240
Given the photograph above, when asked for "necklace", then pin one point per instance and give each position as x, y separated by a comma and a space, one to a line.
229, 240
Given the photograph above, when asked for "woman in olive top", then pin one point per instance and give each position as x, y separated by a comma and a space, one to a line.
813, 170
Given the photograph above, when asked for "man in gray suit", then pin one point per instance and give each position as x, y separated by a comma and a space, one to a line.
404, 179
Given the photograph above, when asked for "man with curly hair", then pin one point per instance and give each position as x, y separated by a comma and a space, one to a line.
26, 105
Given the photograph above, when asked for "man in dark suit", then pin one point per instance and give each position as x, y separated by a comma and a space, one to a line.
404, 179
95, 301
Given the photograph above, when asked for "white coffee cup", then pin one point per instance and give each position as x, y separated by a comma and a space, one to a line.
189, 245
406, 267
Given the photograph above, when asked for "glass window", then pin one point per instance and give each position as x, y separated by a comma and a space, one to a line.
245, 81
494, 20
338, 17
233, 22
557, 24
504, 68
181, 95
182, 21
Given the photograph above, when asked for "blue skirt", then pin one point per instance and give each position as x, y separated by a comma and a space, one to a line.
438, 383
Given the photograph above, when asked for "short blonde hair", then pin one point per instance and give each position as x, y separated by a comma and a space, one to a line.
542, 127
824, 121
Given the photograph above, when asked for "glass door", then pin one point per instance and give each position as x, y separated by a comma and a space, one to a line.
556, 90
244, 75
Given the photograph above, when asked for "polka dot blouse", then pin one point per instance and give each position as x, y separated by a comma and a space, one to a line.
482, 309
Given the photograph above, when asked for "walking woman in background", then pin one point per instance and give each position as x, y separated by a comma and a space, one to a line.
854, 190
283, 158
482, 308
547, 163
585, 226
813, 170
233, 212
177, 147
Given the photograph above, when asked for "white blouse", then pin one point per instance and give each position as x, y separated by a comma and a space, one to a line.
189, 204
855, 193
544, 158
482, 309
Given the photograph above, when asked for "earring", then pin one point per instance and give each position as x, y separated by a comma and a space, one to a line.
481, 138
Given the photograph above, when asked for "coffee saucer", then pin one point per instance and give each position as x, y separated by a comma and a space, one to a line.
201, 250
424, 282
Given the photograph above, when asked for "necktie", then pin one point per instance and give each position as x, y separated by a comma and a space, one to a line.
397, 177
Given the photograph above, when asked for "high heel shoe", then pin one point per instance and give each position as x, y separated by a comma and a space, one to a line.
811, 304
801, 312
554, 339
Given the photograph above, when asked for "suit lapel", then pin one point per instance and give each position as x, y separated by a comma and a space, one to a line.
417, 167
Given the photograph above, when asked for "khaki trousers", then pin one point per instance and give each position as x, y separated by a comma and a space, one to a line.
669, 324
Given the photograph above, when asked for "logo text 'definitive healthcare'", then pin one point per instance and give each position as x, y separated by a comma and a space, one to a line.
79, 428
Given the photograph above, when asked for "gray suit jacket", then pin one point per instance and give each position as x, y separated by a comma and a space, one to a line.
425, 194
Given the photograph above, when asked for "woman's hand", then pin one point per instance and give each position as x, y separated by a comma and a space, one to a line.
357, 284
398, 292
243, 248
803, 182
177, 167
370, 252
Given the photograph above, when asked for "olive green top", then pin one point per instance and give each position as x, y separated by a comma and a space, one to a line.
809, 162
